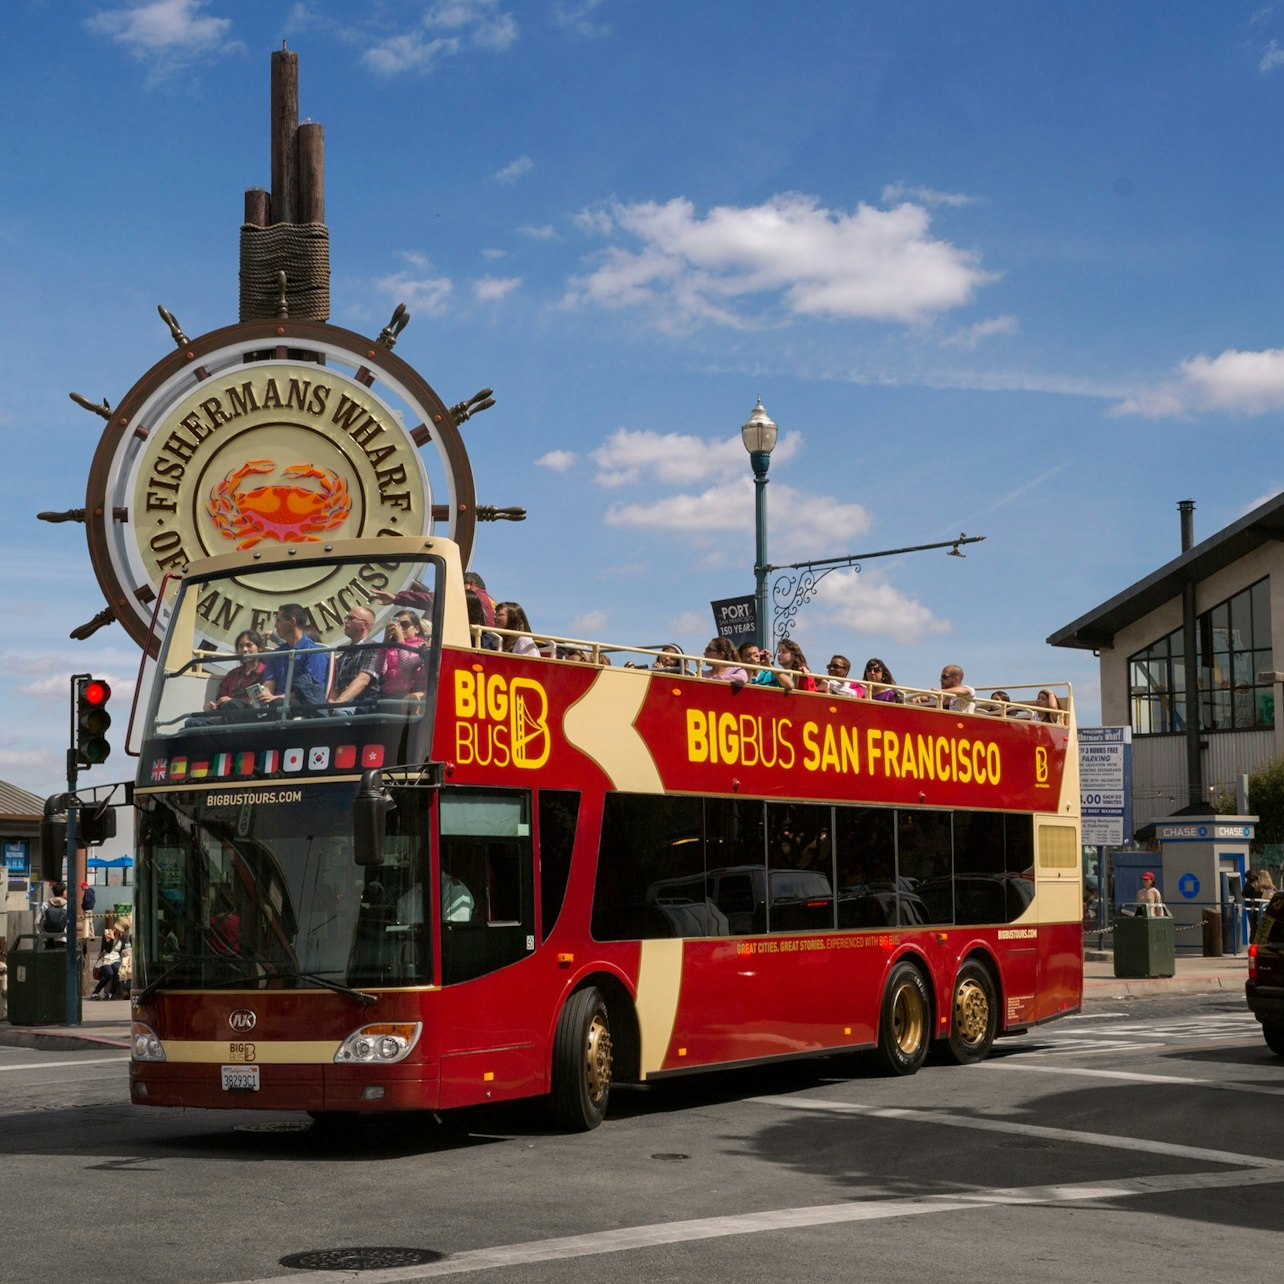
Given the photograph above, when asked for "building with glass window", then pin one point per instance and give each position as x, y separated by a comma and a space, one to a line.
1187, 662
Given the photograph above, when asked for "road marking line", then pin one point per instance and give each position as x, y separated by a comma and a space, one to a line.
1216, 1084
939, 1119
50, 1065
631, 1238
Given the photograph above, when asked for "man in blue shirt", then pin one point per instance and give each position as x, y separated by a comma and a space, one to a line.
311, 663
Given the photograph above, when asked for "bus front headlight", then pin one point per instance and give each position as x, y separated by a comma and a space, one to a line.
381, 1044
144, 1045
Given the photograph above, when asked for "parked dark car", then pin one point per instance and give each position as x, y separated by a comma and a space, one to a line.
1264, 988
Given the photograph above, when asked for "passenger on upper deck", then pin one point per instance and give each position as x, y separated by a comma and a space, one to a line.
952, 694
232, 689
509, 615
669, 660
1047, 701
477, 623
474, 583
359, 670
795, 675
404, 677
838, 668
748, 653
879, 676
722, 666
995, 704
311, 663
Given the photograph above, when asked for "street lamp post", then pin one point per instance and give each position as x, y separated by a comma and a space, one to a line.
759, 437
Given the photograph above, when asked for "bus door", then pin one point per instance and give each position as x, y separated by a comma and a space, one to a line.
486, 915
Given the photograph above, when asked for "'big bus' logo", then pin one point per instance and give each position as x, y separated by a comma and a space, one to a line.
500, 723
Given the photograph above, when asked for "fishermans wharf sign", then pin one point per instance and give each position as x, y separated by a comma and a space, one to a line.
268, 432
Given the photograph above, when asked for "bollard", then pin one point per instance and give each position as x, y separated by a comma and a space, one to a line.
1212, 926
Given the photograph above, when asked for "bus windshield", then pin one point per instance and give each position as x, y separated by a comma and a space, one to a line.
296, 667
246, 888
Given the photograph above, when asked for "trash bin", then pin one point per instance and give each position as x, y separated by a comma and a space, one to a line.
1145, 947
1211, 924
37, 983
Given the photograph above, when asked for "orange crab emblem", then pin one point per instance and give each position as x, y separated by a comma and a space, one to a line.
291, 514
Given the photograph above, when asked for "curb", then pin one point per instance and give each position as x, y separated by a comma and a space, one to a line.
59, 1040
1150, 987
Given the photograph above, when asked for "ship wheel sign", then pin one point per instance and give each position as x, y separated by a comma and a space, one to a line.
269, 431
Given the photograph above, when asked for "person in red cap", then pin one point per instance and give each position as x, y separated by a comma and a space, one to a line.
1149, 894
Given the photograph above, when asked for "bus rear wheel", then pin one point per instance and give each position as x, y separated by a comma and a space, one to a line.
905, 1022
582, 1062
974, 1019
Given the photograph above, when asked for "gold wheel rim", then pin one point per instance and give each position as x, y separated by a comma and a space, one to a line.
909, 1017
597, 1059
971, 1011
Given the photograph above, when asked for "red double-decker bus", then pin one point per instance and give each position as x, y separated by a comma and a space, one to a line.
536, 876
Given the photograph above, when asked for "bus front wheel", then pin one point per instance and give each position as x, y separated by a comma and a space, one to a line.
905, 1021
582, 1062
974, 1020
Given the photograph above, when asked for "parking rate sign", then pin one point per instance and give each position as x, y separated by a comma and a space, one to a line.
1105, 785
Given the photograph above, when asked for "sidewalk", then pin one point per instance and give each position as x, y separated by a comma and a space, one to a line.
1194, 975
105, 1025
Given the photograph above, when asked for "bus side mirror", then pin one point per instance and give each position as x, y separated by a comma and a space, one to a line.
53, 838
370, 819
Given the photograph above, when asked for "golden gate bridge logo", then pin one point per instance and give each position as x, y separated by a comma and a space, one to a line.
529, 723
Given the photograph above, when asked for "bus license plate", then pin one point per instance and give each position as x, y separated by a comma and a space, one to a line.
240, 1078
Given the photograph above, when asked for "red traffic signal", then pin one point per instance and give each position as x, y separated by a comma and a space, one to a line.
91, 720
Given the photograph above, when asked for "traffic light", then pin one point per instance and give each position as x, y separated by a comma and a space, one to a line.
92, 721
97, 824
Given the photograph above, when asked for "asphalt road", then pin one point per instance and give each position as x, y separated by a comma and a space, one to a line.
1138, 1140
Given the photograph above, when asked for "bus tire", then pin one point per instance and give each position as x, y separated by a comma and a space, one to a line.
974, 1016
904, 1022
1274, 1036
582, 1062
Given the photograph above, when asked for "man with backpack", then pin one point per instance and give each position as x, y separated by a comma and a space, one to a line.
53, 918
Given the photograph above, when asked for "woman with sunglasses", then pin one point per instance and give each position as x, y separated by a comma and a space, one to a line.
879, 676
404, 677
720, 663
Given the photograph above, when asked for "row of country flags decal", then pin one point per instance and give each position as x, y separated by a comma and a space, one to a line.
266, 762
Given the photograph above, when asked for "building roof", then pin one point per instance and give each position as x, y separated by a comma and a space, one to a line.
18, 804
1096, 630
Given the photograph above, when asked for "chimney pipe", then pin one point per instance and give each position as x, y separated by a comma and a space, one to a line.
1186, 507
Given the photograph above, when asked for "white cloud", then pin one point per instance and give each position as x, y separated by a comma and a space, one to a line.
677, 459
409, 51
801, 523
590, 624
494, 254
545, 232
559, 461
514, 170
896, 192
490, 288
786, 258
1272, 57
444, 30
1247, 383
419, 291
971, 336
867, 604
575, 16
167, 34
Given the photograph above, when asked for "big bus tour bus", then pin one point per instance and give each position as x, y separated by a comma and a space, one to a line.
532, 876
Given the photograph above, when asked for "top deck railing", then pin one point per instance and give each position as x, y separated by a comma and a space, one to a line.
593, 654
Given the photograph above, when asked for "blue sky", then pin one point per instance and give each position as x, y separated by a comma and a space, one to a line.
1005, 268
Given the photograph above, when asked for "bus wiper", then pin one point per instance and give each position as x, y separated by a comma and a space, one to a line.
183, 960
337, 986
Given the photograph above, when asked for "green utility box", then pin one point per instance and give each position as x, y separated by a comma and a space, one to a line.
37, 983
1145, 947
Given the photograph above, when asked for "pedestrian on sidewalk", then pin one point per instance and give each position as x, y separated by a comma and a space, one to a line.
1149, 901
53, 918
108, 965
